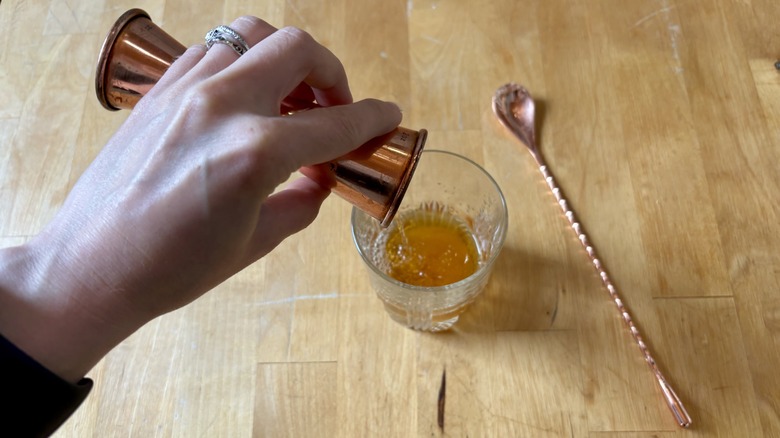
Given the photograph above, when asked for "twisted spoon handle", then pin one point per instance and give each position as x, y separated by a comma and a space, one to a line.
515, 109
672, 400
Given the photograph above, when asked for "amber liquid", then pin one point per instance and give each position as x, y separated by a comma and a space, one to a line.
430, 247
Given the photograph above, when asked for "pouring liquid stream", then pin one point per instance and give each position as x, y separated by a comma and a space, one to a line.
514, 107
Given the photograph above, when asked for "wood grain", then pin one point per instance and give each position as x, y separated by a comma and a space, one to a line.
660, 120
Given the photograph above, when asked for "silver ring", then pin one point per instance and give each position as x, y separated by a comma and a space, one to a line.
227, 36
233, 34
222, 40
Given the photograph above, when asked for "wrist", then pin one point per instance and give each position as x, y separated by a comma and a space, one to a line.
51, 314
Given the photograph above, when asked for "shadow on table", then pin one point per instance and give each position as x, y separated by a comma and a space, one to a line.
525, 292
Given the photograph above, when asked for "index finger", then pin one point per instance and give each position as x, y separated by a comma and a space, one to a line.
323, 134
285, 59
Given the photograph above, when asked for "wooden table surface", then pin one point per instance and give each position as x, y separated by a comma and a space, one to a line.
661, 122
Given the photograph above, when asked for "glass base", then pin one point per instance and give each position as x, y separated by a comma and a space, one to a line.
423, 322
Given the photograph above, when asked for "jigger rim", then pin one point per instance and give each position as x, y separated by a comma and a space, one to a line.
105, 54
406, 178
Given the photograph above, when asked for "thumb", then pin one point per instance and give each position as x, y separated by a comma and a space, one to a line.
285, 213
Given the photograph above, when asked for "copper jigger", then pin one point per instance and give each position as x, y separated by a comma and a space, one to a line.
374, 177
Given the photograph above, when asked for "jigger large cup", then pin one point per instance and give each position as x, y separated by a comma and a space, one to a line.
374, 177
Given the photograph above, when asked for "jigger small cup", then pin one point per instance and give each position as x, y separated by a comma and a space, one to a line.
135, 55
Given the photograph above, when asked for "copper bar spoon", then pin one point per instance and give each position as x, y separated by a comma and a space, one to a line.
514, 107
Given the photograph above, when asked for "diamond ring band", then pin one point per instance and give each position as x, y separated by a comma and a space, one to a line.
227, 36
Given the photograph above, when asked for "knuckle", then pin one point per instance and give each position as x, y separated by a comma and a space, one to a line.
297, 36
372, 105
248, 21
347, 129
206, 99
197, 101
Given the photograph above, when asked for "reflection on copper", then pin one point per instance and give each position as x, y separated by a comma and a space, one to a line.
374, 177
514, 107
377, 184
134, 56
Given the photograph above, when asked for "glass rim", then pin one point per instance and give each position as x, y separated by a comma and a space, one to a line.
480, 270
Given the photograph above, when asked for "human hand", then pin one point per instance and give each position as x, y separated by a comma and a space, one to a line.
182, 197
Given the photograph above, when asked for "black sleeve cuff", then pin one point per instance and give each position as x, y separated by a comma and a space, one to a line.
33, 400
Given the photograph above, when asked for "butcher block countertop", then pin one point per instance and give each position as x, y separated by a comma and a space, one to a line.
661, 122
